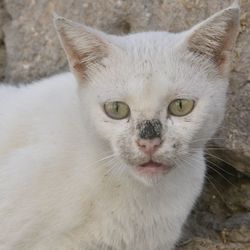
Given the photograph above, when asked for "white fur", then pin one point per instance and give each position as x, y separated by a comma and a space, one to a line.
63, 182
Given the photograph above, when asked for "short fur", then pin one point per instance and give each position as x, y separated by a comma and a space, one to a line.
68, 176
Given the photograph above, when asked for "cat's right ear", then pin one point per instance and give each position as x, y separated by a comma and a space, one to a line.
215, 37
84, 46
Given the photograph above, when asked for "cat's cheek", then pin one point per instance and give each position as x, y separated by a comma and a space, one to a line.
99, 122
112, 131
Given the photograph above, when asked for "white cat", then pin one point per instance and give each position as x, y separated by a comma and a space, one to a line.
114, 160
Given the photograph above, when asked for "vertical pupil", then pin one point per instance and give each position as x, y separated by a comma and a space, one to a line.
116, 107
180, 104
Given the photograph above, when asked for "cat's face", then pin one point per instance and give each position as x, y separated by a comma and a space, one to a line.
154, 98
158, 110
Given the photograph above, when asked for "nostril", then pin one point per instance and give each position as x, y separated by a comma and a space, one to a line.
141, 143
149, 146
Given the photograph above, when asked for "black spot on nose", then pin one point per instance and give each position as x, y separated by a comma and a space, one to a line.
149, 129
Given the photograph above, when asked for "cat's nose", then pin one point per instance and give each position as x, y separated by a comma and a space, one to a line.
149, 146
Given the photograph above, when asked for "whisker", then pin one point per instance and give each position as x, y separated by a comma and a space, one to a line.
221, 168
209, 180
120, 169
215, 170
208, 148
207, 138
101, 162
102, 159
111, 168
214, 148
217, 191
221, 175
214, 156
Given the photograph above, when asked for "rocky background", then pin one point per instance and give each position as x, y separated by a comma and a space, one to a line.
29, 49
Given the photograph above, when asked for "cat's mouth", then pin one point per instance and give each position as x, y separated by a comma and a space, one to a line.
152, 168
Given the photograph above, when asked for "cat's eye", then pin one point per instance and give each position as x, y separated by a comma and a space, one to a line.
181, 107
116, 110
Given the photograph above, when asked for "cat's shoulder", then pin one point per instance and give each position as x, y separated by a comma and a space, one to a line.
55, 96
59, 83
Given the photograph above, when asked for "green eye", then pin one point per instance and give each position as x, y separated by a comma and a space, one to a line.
117, 110
181, 107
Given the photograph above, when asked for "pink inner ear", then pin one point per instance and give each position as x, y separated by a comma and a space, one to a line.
73, 57
82, 45
79, 68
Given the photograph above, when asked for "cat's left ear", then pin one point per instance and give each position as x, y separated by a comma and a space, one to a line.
215, 37
84, 46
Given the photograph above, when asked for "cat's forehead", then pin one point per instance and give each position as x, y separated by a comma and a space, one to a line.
148, 42
150, 66
154, 55
137, 84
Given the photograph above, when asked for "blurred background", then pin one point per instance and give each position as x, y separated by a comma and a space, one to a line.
29, 50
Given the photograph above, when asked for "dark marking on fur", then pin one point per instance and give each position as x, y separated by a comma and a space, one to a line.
149, 129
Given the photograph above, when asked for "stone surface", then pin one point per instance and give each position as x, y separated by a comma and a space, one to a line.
236, 128
201, 244
221, 218
3, 17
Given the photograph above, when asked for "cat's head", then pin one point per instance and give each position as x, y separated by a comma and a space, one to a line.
155, 98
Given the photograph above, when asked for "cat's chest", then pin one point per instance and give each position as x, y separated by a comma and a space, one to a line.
129, 226
125, 234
